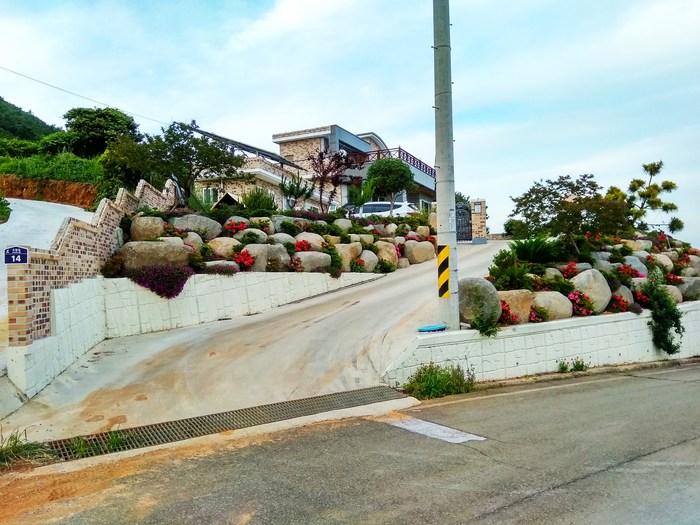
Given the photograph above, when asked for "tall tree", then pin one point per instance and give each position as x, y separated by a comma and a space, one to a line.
389, 177
329, 170
183, 154
295, 190
92, 129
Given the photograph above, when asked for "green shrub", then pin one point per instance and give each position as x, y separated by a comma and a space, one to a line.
384, 266
291, 248
207, 252
249, 238
336, 267
508, 273
260, 200
196, 262
64, 166
290, 228
665, 315
432, 380
4, 209
16, 449
537, 250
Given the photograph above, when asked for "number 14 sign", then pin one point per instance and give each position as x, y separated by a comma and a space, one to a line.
16, 255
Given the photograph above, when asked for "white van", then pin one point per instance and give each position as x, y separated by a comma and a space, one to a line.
384, 209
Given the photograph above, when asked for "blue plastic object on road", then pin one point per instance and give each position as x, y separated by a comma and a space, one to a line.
433, 328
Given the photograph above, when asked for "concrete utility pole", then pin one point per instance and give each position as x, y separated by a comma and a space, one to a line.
444, 160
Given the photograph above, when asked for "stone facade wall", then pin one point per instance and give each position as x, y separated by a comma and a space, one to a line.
528, 349
85, 313
297, 151
77, 253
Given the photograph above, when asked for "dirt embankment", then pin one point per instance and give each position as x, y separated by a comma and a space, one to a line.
75, 193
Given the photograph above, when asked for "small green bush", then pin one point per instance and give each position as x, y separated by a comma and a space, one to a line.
432, 380
508, 273
537, 250
384, 266
113, 267
665, 315
290, 228
4, 209
260, 200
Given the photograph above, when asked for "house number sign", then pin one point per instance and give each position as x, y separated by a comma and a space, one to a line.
16, 255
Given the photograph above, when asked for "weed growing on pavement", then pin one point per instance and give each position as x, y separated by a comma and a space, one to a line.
16, 448
578, 365
563, 367
433, 380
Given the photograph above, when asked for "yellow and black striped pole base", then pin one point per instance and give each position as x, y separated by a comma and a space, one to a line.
443, 260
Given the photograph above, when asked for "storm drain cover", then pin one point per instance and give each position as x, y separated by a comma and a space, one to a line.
181, 429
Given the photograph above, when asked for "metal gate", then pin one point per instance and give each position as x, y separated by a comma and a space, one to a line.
464, 221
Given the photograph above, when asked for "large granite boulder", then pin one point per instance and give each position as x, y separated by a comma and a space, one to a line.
343, 224
386, 251
391, 229
348, 253
674, 292
266, 224
224, 246
144, 253
260, 236
694, 262
642, 256
664, 261
314, 239
552, 273
423, 231
281, 238
146, 228
625, 293
419, 251
206, 228
311, 261
557, 304
371, 260
690, 289
519, 302
277, 221
403, 263
223, 264
634, 262
638, 244
194, 240
593, 284
366, 238
478, 301
259, 252
277, 254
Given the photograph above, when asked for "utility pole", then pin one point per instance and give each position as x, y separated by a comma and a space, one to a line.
444, 160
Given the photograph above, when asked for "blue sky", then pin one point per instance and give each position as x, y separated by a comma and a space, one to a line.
542, 88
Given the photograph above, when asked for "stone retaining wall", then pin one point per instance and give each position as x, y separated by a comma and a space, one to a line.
85, 313
528, 349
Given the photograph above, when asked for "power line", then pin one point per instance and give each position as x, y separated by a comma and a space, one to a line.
80, 96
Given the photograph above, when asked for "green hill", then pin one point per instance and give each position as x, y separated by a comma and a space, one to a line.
19, 124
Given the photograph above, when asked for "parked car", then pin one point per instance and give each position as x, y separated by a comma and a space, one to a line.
384, 209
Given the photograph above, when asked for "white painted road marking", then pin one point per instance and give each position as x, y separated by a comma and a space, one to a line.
435, 431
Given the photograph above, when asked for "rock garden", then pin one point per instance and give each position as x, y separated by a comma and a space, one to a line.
160, 251
540, 279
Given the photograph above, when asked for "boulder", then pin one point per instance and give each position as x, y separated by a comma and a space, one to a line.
238, 219
557, 304
343, 224
386, 251
332, 239
635, 263
478, 300
601, 256
399, 239
433, 220
664, 261
519, 302
593, 284
419, 251
674, 292
206, 228
354, 237
348, 253
642, 256
260, 236
625, 293
403, 263
224, 246
366, 238
277, 221
194, 239
311, 261
423, 231
603, 266
314, 239
277, 255
281, 238
259, 251
689, 272
146, 228
177, 241
638, 283
694, 262
379, 229
143, 253
265, 222
391, 229
638, 244
371, 260
671, 254
552, 273
223, 264
690, 289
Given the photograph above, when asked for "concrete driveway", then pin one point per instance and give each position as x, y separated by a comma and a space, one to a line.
336, 342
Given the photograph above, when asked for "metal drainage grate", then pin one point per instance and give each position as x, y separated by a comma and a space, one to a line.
171, 431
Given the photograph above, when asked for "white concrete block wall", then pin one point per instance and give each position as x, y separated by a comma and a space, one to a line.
538, 348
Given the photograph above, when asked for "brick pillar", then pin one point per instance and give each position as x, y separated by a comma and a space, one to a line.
20, 315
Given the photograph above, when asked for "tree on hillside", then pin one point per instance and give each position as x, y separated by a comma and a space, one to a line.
329, 170
124, 163
540, 205
389, 177
460, 197
19, 124
646, 195
185, 155
92, 129
295, 190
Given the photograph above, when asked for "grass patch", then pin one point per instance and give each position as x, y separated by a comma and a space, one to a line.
432, 380
16, 449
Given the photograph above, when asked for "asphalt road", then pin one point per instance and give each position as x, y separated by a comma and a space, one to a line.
339, 341
621, 449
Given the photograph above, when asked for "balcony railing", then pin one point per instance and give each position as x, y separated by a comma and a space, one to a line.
395, 153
